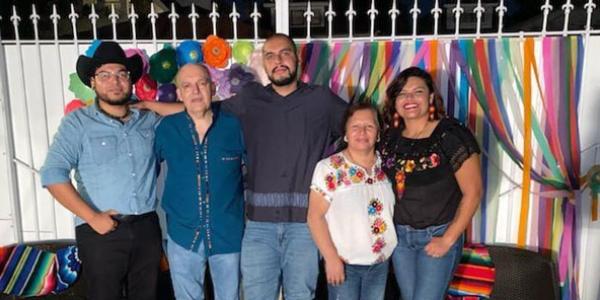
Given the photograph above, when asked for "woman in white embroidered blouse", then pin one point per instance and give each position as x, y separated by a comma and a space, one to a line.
350, 211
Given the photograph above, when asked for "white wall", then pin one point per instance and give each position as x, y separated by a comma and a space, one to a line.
589, 112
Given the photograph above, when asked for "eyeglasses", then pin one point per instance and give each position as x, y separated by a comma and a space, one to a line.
105, 75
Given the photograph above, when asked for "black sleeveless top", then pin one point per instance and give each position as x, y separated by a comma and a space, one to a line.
422, 172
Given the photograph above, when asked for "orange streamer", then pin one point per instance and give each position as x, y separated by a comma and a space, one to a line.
527, 155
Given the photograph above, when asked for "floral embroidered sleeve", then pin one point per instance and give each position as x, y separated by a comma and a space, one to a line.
323, 180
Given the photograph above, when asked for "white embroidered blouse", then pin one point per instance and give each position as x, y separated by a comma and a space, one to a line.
361, 208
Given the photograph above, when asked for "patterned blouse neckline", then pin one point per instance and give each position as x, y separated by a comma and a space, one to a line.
348, 173
374, 167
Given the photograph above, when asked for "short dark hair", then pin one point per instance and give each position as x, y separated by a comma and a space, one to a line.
352, 109
396, 86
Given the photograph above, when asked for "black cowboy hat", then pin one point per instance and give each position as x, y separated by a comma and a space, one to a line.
108, 52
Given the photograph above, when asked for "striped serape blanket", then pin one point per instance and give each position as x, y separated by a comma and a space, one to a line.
28, 271
474, 276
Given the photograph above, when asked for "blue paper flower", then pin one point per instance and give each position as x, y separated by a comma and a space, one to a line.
189, 52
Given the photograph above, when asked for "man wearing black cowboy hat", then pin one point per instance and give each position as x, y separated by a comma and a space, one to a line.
109, 146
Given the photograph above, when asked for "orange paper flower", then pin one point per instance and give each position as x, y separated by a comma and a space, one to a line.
216, 51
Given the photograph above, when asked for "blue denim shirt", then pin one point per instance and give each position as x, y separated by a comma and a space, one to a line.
204, 194
115, 167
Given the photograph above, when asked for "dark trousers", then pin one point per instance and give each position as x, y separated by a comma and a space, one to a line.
130, 254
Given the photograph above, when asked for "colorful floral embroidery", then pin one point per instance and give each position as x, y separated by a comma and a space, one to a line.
345, 174
356, 175
378, 225
399, 179
330, 182
342, 177
379, 174
434, 159
336, 161
408, 166
375, 207
390, 161
378, 245
421, 164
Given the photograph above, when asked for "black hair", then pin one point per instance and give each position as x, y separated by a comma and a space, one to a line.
396, 86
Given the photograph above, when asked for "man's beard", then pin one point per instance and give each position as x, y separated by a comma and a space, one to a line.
115, 102
285, 80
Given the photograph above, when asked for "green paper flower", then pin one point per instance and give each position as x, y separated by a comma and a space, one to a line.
242, 51
80, 90
163, 65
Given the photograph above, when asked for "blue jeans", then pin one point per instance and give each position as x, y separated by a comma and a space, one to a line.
187, 272
362, 282
274, 253
420, 276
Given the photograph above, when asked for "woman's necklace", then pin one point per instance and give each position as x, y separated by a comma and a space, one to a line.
419, 133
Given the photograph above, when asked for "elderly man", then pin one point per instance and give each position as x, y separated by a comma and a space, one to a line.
287, 126
203, 197
109, 146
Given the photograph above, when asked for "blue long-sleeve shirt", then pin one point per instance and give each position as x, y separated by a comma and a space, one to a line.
203, 196
115, 167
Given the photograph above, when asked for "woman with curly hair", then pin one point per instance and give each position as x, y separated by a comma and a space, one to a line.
433, 162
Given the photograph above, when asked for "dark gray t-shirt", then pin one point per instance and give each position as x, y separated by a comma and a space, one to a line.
285, 138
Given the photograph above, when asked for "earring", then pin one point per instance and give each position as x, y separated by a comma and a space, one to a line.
396, 121
378, 138
345, 139
431, 112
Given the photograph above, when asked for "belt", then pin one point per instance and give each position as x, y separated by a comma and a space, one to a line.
131, 218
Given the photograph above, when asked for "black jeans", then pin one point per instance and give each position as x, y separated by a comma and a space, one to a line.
129, 254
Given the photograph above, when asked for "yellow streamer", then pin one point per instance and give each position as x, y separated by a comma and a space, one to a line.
522, 239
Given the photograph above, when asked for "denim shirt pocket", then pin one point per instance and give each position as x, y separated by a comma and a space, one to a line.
145, 141
104, 149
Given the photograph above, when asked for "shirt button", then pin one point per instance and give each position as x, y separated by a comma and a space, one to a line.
103, 143
124, 134
129, 154
132, 174
134, 194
